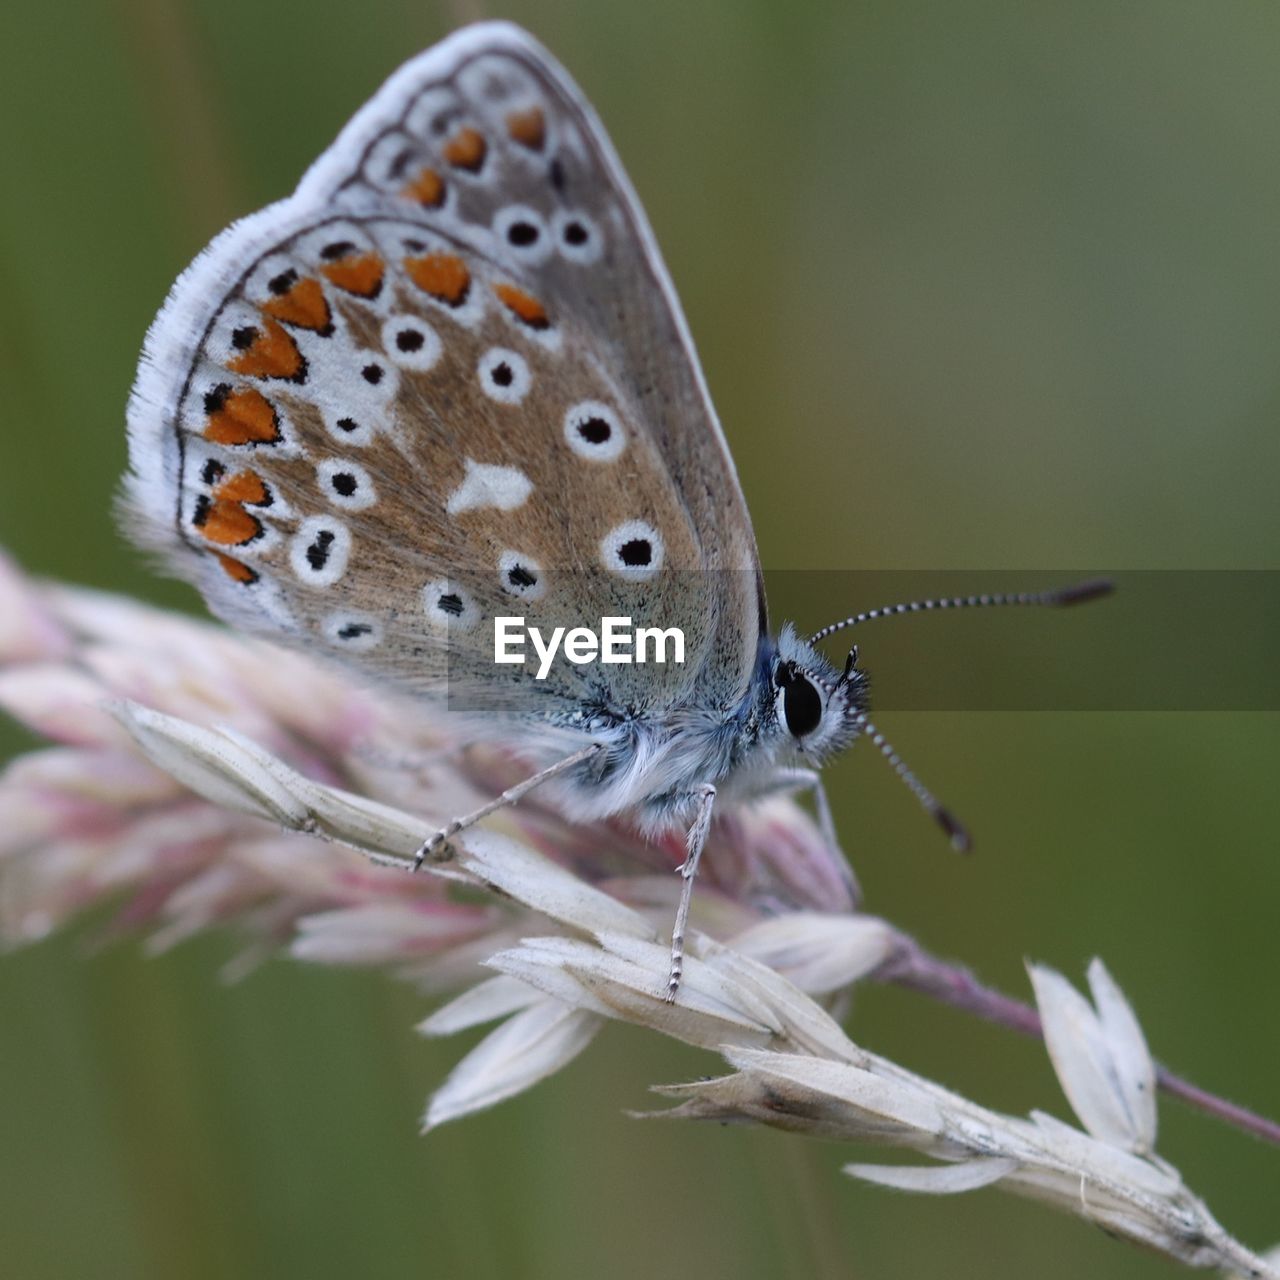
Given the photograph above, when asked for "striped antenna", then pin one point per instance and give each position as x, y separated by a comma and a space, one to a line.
943, 816
1078, 594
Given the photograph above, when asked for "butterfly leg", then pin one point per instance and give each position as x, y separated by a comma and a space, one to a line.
792, 780
429, 847
694, 843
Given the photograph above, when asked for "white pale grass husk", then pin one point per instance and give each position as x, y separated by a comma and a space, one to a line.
1100, 1057
820, 953
793, 1066
526, 1048
485, 1002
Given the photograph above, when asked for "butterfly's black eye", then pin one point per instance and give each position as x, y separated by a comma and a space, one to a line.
801, 705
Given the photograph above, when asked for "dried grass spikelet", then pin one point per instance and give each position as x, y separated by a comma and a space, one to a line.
794, 1067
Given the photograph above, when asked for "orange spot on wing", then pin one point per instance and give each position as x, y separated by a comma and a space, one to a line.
524, 306
303, 305
244, 486
240, 417
466, 149
236, 571
427, 189
227, 523
267, 352
360, 274
442, 275
528, 128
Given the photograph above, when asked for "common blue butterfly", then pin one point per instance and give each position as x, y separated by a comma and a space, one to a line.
447, 381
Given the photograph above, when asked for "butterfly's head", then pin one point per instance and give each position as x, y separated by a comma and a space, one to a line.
818, 710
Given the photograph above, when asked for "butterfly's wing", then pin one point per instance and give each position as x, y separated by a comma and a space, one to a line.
449, 379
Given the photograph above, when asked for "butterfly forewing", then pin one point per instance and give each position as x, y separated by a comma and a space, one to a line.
446, 381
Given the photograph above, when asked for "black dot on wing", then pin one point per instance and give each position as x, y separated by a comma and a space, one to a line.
344, 483
450, 603
519, 576
575, 234
201, 513
216, 397
212, 471
318, 551
338, 249
401, 162
414, 246
354, 630
410, 340
636, 553
557, 175
347, 424
443, 119
372, 374
502, 374
522, 234
283, 282
243, 338
595, 430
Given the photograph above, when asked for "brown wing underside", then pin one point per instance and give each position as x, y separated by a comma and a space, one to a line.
456, 387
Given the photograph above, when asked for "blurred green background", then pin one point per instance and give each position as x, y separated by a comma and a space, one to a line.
976, 286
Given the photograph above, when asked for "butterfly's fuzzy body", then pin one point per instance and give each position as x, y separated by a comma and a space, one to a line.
448, 379
651, 763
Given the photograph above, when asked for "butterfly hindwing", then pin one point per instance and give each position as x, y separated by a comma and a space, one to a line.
448, 380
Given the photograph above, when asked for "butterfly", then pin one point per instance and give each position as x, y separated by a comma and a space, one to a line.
448, 381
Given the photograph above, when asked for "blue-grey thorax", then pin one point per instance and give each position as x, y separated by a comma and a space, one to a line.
653, 766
